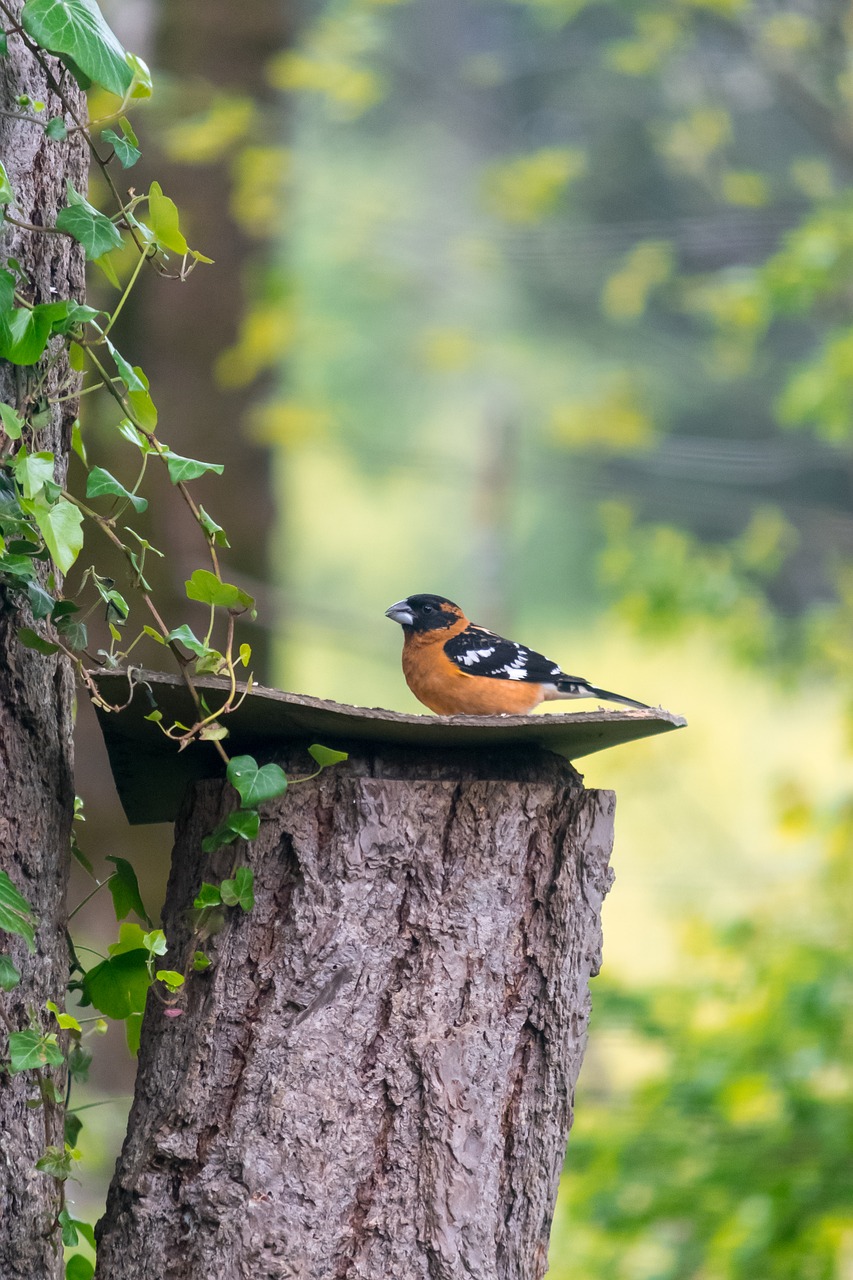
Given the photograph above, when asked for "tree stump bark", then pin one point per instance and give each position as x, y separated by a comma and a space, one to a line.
375, 1078
36, 692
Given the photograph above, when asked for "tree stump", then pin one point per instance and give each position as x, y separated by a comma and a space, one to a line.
375, 1078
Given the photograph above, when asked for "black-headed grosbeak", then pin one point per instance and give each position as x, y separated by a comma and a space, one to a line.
456, 668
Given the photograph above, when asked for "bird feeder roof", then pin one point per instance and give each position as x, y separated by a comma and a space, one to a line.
151, 774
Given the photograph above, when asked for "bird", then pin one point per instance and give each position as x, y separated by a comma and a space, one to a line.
455, 667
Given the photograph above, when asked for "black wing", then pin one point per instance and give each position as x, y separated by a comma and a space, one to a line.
481, 653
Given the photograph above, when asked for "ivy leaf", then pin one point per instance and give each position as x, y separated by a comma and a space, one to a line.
155, 942
100, 482
239, 892
170, 977
88, 226
79, 1267
7, 193
207, 896
28, 335
16, 915
13, 423
66, 1021
124, 888
29, 1049
9, 975
41, 603
182, 469
125, 150
213, 530
133, 1032
186, 637
32, 640
255, 786
326, 755
205, 587
56, 1161
200, 962
164, 220
75, 30
33, 471
79, 1061
118, 987
61, 528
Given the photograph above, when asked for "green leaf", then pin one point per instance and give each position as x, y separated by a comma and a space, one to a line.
213, 530
41, 603
200, 962
28, 335
117, 987
29, 1049
170, 977
126, 151
56, 1161
133, 380
16, 914
141, 84
56, 129
88, 225
75, 30
32, 640
164, 220
246, 823
183, 469
61, 528
185, 636
239, 892
79, 1061
13, 423
104, 264
155, 942
326, 755
74, 634
100, 482
4, 45
205, 587
79, 1267
66, 1021
255, 786
9, 975
33, 471
7, 193
133, 1032
124, 888
207, 896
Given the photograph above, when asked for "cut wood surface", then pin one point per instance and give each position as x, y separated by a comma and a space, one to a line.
375, 1077
151, 775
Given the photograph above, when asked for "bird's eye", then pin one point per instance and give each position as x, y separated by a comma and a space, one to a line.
428, 609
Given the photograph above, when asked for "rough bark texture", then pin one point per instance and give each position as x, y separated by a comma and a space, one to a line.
35, 693
375, 1078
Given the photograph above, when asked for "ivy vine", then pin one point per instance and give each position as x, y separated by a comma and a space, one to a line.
44, 526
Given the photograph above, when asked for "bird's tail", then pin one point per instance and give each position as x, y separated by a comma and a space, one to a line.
570, 688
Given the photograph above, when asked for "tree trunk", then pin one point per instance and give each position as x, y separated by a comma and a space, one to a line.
35, 692
375, 1077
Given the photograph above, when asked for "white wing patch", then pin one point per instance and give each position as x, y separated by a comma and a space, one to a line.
477, 651
471, 656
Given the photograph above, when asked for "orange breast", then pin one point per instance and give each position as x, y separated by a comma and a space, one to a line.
439, 684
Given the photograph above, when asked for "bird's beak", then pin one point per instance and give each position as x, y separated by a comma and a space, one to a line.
400, 612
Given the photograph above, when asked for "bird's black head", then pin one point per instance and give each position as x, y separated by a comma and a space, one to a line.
424, 613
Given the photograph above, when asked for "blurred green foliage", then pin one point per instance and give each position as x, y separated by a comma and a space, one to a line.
562, 326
